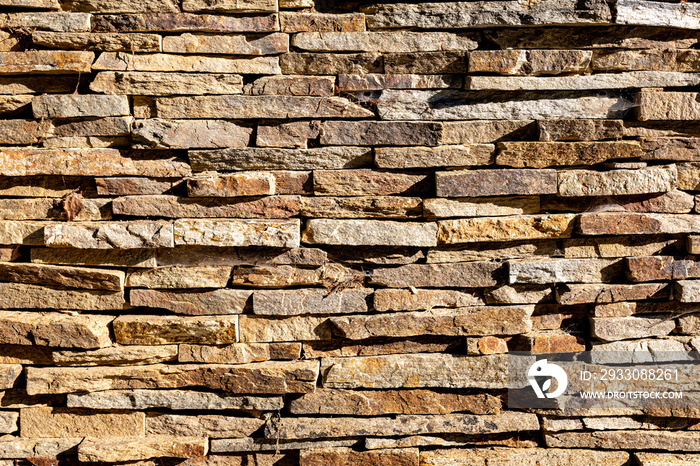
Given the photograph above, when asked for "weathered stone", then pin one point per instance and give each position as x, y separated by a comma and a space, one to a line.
662, 148
486, 131
545, 154
207, 256
259, 378
212, 426
650, 268
40, 4
175, 22
229, 6
481, 207
129, 235
362, 207
227, 45
579, 130
331, 63
371, 133
376, 255
622, 223
14, 103
617, 182
96, 142
19, 448
474, 274
69, 277
30, 296
564, 271
60, 22
188, 134
674, 201
319, 22
657, 14
621, 246
529, 62
121, 61
121, 6
415, 371
341, 348
98, 42
273, 107
273, 233
236, 353
233, 185
369, 232
249, 444
459, 105
171, 399
180, 277
29, 233
8, 422
328, 275
61, 423
625, 309
12, 86
505, 228
9, 253
301, 428
178, 207
406, 300
668, 106
348, 456
9, 373
604, 293
397, 42
200, 303
115, 355
292, 85
116, 126
379, 82
625, 328
443, 156
457, 322
688, 291
627, 439
666, 459
689, 176
519, 294
368, 182
82, 162
298, 302
45, 209
23, 131
660, 59
73, 106
523, 456
254, 329
551, 343
104, 257
486, 345
449, 440
376, 403
164, 330
425, 63
149, 83
54, 329
475, 183
121, 449
467, 14
45, 61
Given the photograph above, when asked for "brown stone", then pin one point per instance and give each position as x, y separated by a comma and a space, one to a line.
627, 439
18, 448
124, 186
462, 321
207, 256
228, 6
261, 378
519, 294
108, 42
486, 345
55, 329
474, 274
62, 422
486, 131
233, 185
579, 130
256, 329
422, 299
116, 356
180, 277
188, 134
70, 277
547, 154
367, 182
603, 293
103, 257
45, 61
154, 22
448, 62
270, 44
551, 343
163, 62
505, 228
45, 186
674, 201
44, 209
14, 103
362, 207
371, 133
164, 330
539, 456
206, 207
293, 135
348, 457
475, 183
154, 84
331, 63
23, 131
621, 246
199, 303
668, 106
681, 149
292, 85
624, 328
9, 253
121, 449
529, 62
30, 296
236, 353
127, 235
379, 82
623, 223
481, 207
320, 22
212, 426
292, 182
9, 373
302, 302
250, 158
447, 156
342, 348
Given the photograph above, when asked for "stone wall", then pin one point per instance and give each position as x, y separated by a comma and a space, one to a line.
268, 232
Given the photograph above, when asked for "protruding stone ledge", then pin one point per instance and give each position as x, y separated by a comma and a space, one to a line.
121, 61
45, 61
176, 22
272, 233
55, 329
164, 330
122, 235
510, 228
117, 449
370, 233
154, 84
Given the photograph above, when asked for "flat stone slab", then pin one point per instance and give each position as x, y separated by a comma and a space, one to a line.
273, 233
369, 233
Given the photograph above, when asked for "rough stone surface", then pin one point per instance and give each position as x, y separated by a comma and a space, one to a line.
110, 235
564, 271
280, 159
141, 448
302, 302
175, 22
447, 156
481, 207
55, 329
180, 277
72, 106
153, 83
369, 233
203, 303
30, 296
164, 330
617, 182
422, 299
170, 399
396, 42
543, 456
510, 228
476, 183
547, 154
474, 274
212, 426
69, 277
45, 61
174, 134
273, 233
61, 422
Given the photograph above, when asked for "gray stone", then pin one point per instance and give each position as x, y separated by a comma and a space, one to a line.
116, 355
179, 207
121, 6
113, 449
189, 134
476, 183
371, 133
301, 302
460, 275
658, 14
331, 63
379, 82
179, 277
528, 62
369, 233
579, 130
19, 448
208, 425
270, 44
273, 233
255, 329
98, 42
73, 106
632, 79
103, 257
47, 21
625, 328
655, 179
685, 441
292, 85
422, 299
362, 207
564, 271
442, 156
382, 42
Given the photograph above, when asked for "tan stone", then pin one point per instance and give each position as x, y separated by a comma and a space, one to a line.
232, 185
546, 154
55, 329
98, 42
128, 235
564, 271
115, 355
604, 293
621, 246
270, 377
115, 449
519, 294
319, 22
689, 176
202, 256
384, 42
150, 83
449, 62
302, 302
617, 182
61, 422
422, 299
163, 330
624, 328
41, 4
70, 277
529, 62
9, 253
75, 106
273, 233
442, 156
369, 233
30, 296
348, 456
473, 274
8, 422
668, 106
86, 162
666, 459
379, 82
461, 321
19, 448
122, 186
256, 329
9, 373
198, 303
361, 207
332, 402
486, 131
675, 201
227, 45
481, 207
11, 88
188, 134
476, 183
212, 426
181, 22
370, 133
368, 182
330, 348
251, 158
30, 233
277, 207
505, 228
292, 85
236, 353
415, 371
45, 61
294, 135
103, 257
627, 439
14, 103
657, 14
523, 456
231, 6
579, 130
121, 61
551, 343
328, 275
331, 63
23, 131
180, 277
622, 223
265, 106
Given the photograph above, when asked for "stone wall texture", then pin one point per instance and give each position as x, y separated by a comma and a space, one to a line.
298, 232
